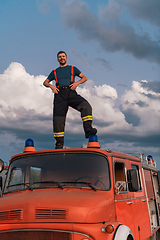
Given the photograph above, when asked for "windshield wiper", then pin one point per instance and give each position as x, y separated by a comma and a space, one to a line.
57, 183
19, 184
89, 184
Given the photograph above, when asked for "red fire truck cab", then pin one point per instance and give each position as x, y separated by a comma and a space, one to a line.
79, 194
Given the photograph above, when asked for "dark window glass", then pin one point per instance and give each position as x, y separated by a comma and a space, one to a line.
136, 167
120, 178
59, 170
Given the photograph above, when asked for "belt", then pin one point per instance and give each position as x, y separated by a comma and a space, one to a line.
64, 87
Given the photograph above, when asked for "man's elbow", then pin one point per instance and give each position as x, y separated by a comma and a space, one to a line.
45, 83
85, 79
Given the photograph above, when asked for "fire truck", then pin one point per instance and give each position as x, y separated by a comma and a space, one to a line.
79, 194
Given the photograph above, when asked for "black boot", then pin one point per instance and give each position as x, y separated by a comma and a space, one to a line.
59, 142
59, 146
93, 131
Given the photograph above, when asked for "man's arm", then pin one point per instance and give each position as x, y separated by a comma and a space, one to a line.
47, 84
83, 79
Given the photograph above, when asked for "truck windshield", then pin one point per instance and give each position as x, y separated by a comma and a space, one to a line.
59, 170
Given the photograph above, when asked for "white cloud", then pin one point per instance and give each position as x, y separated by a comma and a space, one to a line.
107, 118
21, 89
24, 100
26, 109
27, 105
145, 104
106, 91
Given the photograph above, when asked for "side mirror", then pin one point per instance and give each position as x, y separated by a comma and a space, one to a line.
1, 165
133, 184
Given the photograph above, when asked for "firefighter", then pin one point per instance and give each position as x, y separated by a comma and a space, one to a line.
65, 96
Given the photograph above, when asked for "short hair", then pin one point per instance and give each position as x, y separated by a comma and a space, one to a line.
61, 52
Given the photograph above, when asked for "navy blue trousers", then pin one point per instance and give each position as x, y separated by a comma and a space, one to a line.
62, 101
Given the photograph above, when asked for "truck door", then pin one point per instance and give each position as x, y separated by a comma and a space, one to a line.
123, 198
141, 214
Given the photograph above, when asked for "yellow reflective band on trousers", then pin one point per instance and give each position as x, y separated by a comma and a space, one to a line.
58, 134
87, 118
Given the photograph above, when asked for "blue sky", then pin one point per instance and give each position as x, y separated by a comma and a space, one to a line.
114, 43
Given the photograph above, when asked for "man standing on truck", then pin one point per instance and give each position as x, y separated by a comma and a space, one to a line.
65, 95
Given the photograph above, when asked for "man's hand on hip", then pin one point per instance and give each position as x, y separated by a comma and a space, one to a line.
73, 86
54, 89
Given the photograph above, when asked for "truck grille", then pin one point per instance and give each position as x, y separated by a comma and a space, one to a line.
11, 215
44, 213
35, 235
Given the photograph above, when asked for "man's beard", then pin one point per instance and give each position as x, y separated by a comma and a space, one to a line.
63, 63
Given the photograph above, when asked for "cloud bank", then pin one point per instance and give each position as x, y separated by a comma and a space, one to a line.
26, 110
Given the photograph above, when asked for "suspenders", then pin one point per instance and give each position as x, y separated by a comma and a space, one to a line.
55, 75
71, 74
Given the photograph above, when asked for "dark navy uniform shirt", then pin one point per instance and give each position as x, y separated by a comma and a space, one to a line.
64, 75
